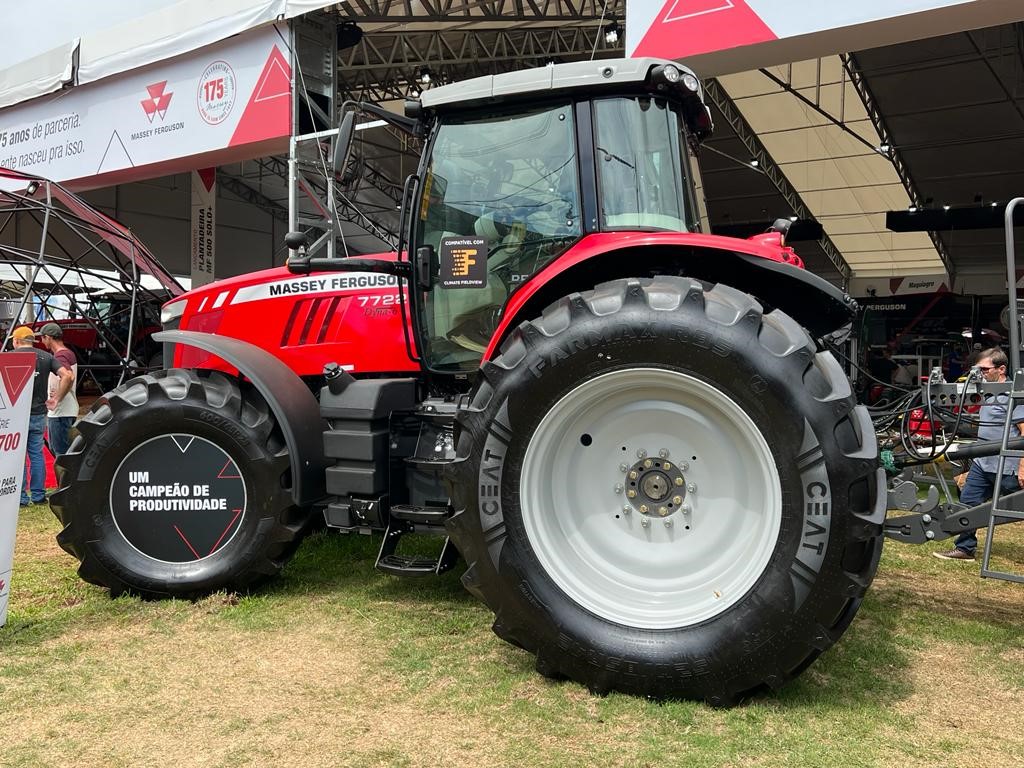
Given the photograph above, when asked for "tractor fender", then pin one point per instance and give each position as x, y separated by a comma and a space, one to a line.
768, 273
293, 405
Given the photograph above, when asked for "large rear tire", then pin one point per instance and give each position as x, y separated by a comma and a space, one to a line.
662, 490
178, 485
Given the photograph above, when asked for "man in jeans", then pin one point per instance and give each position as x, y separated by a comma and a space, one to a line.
46, 364
62, 415
981, 479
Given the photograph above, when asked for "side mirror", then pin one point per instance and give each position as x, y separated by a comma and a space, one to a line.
424, 266
343, 142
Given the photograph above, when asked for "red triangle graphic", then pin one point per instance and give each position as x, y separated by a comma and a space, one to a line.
268, 113
690, 27
222, 476
16, 368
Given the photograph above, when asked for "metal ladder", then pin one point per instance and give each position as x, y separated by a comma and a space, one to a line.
1016, 396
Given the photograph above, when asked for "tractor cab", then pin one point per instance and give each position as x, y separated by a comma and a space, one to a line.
518, 170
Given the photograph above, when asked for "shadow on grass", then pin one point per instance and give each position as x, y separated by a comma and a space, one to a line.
329, 563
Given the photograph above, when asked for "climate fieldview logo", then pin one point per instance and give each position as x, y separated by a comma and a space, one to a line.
158, 101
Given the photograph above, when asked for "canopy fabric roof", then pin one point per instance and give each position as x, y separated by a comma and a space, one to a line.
834, 162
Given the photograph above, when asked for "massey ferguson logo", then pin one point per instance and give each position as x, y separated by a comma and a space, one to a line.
158, 101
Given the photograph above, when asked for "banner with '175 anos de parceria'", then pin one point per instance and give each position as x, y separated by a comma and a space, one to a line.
17, 370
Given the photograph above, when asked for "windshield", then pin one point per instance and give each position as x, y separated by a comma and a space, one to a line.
639, 156
500, 200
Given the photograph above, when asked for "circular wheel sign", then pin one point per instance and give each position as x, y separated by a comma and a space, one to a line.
217, 91
178, 498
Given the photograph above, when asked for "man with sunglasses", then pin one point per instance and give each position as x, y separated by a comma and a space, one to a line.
981, 479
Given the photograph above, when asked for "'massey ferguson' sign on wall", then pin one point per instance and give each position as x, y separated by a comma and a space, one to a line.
221, 99
720, 36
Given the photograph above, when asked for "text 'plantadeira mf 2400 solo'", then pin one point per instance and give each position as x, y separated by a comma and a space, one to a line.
627, 429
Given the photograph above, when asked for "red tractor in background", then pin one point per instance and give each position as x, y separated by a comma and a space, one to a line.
106, 337
629, 430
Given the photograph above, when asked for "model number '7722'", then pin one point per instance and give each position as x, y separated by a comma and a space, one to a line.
378, 301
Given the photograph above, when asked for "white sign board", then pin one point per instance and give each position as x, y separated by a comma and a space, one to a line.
204, 220
17, 372
219, 102
720, 36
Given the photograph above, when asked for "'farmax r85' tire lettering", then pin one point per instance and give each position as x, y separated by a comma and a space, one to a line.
662, 490
178, 484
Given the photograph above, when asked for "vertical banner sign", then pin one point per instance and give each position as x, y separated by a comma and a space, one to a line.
204, 219
17, 370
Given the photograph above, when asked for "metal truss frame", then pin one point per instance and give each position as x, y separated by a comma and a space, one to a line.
716, 93
383, 67
874, 114
476, 11
79, 251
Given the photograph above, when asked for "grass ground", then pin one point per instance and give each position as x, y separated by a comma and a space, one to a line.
336, 665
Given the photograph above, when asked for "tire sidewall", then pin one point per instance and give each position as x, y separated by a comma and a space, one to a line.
768, 388
103, 456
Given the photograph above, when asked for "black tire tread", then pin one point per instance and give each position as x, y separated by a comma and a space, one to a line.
780, 336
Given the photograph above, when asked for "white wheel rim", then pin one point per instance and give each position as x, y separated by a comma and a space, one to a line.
665, 574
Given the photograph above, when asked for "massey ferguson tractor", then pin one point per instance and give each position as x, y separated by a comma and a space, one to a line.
628, 430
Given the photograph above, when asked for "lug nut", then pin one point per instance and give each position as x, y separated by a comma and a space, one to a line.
644, 509
626, 510
684, 466
623, 467
687, 509
663, 453
641, 453
634, 475
662, 511
692, 487
668, 523
631, 493
648, 464
667, 465
645, 522
677, 500
618, 487
679, 481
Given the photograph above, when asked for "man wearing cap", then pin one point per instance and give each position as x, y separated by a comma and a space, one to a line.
64, 413
46, 365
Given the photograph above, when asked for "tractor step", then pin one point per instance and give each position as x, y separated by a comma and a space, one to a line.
389, 561
411, 513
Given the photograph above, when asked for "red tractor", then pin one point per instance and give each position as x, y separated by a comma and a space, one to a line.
629, 430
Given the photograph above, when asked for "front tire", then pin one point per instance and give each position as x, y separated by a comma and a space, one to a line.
662, 490
178, 485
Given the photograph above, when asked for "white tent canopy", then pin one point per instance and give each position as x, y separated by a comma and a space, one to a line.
68, 42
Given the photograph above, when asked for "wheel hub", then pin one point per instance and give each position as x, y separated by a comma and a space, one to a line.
655, 486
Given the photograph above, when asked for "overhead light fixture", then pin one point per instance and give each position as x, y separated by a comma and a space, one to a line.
612, 31
755, 163
995, 204
423, 76
793, 218
883, 149
911, 208
32, 187
349, 34
945, 207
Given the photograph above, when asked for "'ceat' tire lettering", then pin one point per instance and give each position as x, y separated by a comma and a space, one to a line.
675, 347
